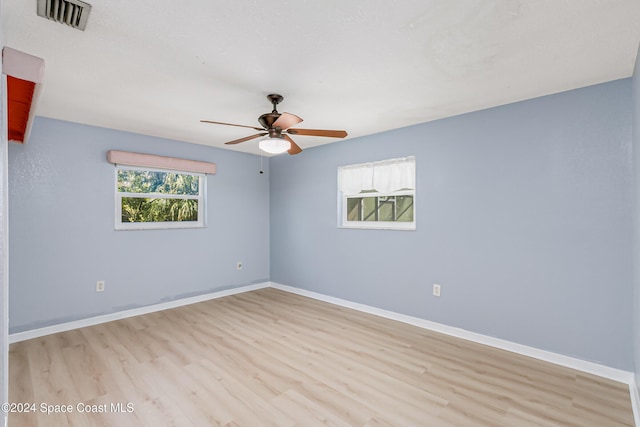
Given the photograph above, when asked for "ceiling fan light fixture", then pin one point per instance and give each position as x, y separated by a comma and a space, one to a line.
274, 145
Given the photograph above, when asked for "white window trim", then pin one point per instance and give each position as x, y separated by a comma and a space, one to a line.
375, 225
202, 201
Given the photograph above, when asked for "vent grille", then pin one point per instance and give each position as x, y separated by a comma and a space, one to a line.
74, 13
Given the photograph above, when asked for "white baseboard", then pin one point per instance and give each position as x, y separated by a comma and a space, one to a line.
635, 400
548, 356
91, 321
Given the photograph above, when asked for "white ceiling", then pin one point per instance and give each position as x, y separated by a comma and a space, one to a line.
158, 67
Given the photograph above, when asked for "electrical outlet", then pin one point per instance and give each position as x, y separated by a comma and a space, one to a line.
100, 286
436, 290
239, 265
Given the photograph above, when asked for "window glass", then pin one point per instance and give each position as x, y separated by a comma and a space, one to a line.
158, 199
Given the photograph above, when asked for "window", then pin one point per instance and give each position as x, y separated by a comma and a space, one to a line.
156, 198
378, 195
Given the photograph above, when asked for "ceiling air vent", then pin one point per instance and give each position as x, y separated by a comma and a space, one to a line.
74, 13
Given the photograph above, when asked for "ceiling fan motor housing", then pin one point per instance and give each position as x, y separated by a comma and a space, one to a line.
268, 119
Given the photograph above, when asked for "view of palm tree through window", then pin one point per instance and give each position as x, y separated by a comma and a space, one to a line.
158, 196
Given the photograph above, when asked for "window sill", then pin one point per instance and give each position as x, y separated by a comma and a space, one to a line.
155, 226
411, 227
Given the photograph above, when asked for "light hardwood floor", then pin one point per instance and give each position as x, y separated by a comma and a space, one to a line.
271, 358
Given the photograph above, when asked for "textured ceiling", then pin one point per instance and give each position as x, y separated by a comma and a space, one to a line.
158, 67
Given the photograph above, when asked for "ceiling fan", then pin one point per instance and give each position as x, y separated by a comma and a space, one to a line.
278, 128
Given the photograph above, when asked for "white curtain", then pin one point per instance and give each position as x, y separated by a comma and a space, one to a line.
384, 177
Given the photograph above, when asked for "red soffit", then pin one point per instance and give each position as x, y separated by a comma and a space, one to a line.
19, 101
24, 75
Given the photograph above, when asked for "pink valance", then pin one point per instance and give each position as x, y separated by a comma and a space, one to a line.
127, 158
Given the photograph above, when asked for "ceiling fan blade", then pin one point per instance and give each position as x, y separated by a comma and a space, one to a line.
286, 120
318, 132
231, 124
247, 138
295, 148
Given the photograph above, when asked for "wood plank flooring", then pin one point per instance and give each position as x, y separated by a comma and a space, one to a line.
271, 358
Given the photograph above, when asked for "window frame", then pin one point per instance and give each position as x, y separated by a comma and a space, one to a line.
168, 225
343, 222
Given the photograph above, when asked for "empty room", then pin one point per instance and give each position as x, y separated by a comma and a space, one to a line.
294, 213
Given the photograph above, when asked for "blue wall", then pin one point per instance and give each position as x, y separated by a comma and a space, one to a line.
62, 228
524, 215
